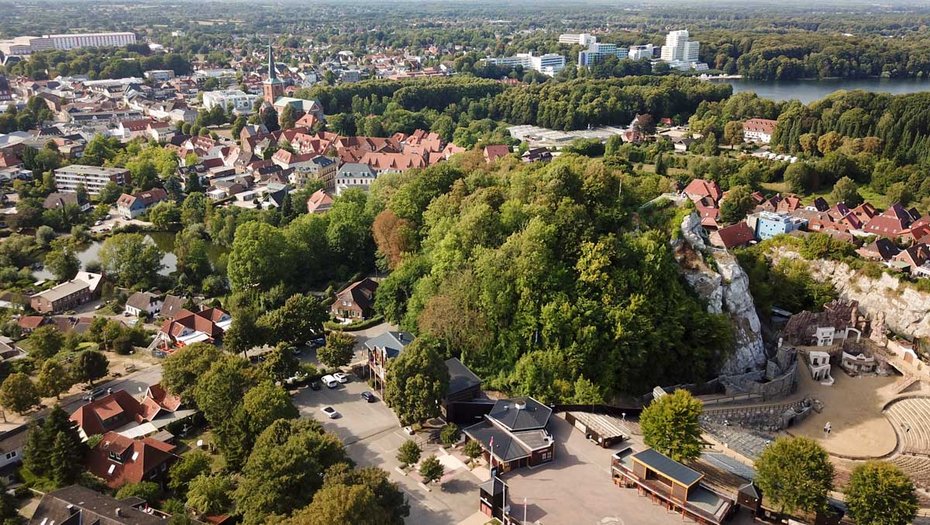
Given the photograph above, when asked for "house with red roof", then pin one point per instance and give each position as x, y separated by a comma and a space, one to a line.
319, 202
759, 130
131, 206
739, 234
492, 152
108, 413
703, 190
913, 257
891, 223
120, 460
188, 327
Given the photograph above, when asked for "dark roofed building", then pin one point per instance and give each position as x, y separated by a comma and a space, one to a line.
463, 383
57, 200
77, 505
514, 434
381, 349
880, 250
357, 301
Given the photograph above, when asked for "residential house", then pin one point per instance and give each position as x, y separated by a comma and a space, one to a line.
880, 250
759, 130
356, 302
78, 505
492, 152
912, 258
171, 306
28, 323
319, 202
108, 413
188, 327
739, 234
131, 206
537, 155
892, 223
92, 178
381, 349
12, 442
682, 144
918, 229
8, 349
514, 434
767, 224
141, 303
58, 200
704, 191
788, 204
67, 295
119, 460
354, 175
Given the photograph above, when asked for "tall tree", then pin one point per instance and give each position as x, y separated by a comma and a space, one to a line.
670, 425
90, 366
181, 369
338, 350
795, 475
880, 494
54, 379
418, 381
299, 320
738, 203
210, 495
846, 191
131, 260
18, 393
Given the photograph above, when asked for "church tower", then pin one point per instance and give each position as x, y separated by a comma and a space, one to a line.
273, 87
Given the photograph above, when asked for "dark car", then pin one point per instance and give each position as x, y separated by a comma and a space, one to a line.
368, 396
96, 393
315, 385
316, 343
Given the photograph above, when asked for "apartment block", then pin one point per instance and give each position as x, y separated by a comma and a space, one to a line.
93, 178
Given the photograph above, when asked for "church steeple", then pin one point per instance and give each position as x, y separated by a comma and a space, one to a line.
272, 88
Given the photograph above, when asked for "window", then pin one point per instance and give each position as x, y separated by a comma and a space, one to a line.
546, 456
11, 455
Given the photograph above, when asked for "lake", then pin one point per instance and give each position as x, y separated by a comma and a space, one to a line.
164, 241
808, 91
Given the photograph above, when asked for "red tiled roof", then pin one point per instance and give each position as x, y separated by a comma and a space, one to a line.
736, 235
699, 188
760, 125
132, 461
92, 416
493, 152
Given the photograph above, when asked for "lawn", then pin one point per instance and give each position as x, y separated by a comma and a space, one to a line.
189, 444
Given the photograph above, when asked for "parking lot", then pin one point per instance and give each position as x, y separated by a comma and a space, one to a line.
372, 435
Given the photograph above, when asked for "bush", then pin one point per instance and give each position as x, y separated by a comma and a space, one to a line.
472, 449
450, 434
409, 453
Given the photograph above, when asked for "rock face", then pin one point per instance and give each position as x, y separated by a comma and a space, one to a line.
726, 290
904, 310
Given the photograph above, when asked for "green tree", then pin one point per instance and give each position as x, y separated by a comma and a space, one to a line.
210, 495
419, 379
299, 320
62, 261
264, 404
800, 177
795, 475
472, 449
288, 117
146, 490
431, 469
845, 191
449, 434
45, 342
733, 133
181, 369
670, 425
54, 379
190, 466
260, 257
17, 393
90, 366
54, 449
165, 215
131, 260
281, 363
390, 505
285, 469
338, 350
587, 393
738, 203
340, 504
880, 494
409, 453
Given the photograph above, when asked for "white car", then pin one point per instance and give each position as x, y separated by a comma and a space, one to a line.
342, 378
330, 381
330, 412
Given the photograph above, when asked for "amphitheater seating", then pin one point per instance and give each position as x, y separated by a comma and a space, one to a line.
911, 419
916, 467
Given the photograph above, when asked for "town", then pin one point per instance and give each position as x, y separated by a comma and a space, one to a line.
525, 263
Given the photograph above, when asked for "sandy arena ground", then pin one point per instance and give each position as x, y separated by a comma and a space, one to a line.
852, 406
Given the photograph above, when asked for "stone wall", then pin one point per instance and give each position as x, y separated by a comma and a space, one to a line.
905, 310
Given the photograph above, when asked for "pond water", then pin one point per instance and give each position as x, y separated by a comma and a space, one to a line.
164, 241
808, 91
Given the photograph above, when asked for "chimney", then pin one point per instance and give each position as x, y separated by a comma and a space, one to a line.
119, 512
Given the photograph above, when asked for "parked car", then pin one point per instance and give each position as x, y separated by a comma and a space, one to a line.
316, 343
342, 378
94, 394
296, 380
330, 412
330, 381
314, 385
368, 396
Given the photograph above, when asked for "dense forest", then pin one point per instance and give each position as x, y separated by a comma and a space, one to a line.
537, 279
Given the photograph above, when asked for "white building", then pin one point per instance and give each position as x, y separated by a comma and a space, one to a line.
231, 99
644, 52
548, 64
26, 45
599, 51
582, 39
93, 178
679, 48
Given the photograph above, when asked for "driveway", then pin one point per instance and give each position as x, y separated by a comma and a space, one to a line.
372, 435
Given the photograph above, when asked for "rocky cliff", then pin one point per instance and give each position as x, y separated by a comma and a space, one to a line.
726, 290
905, 310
